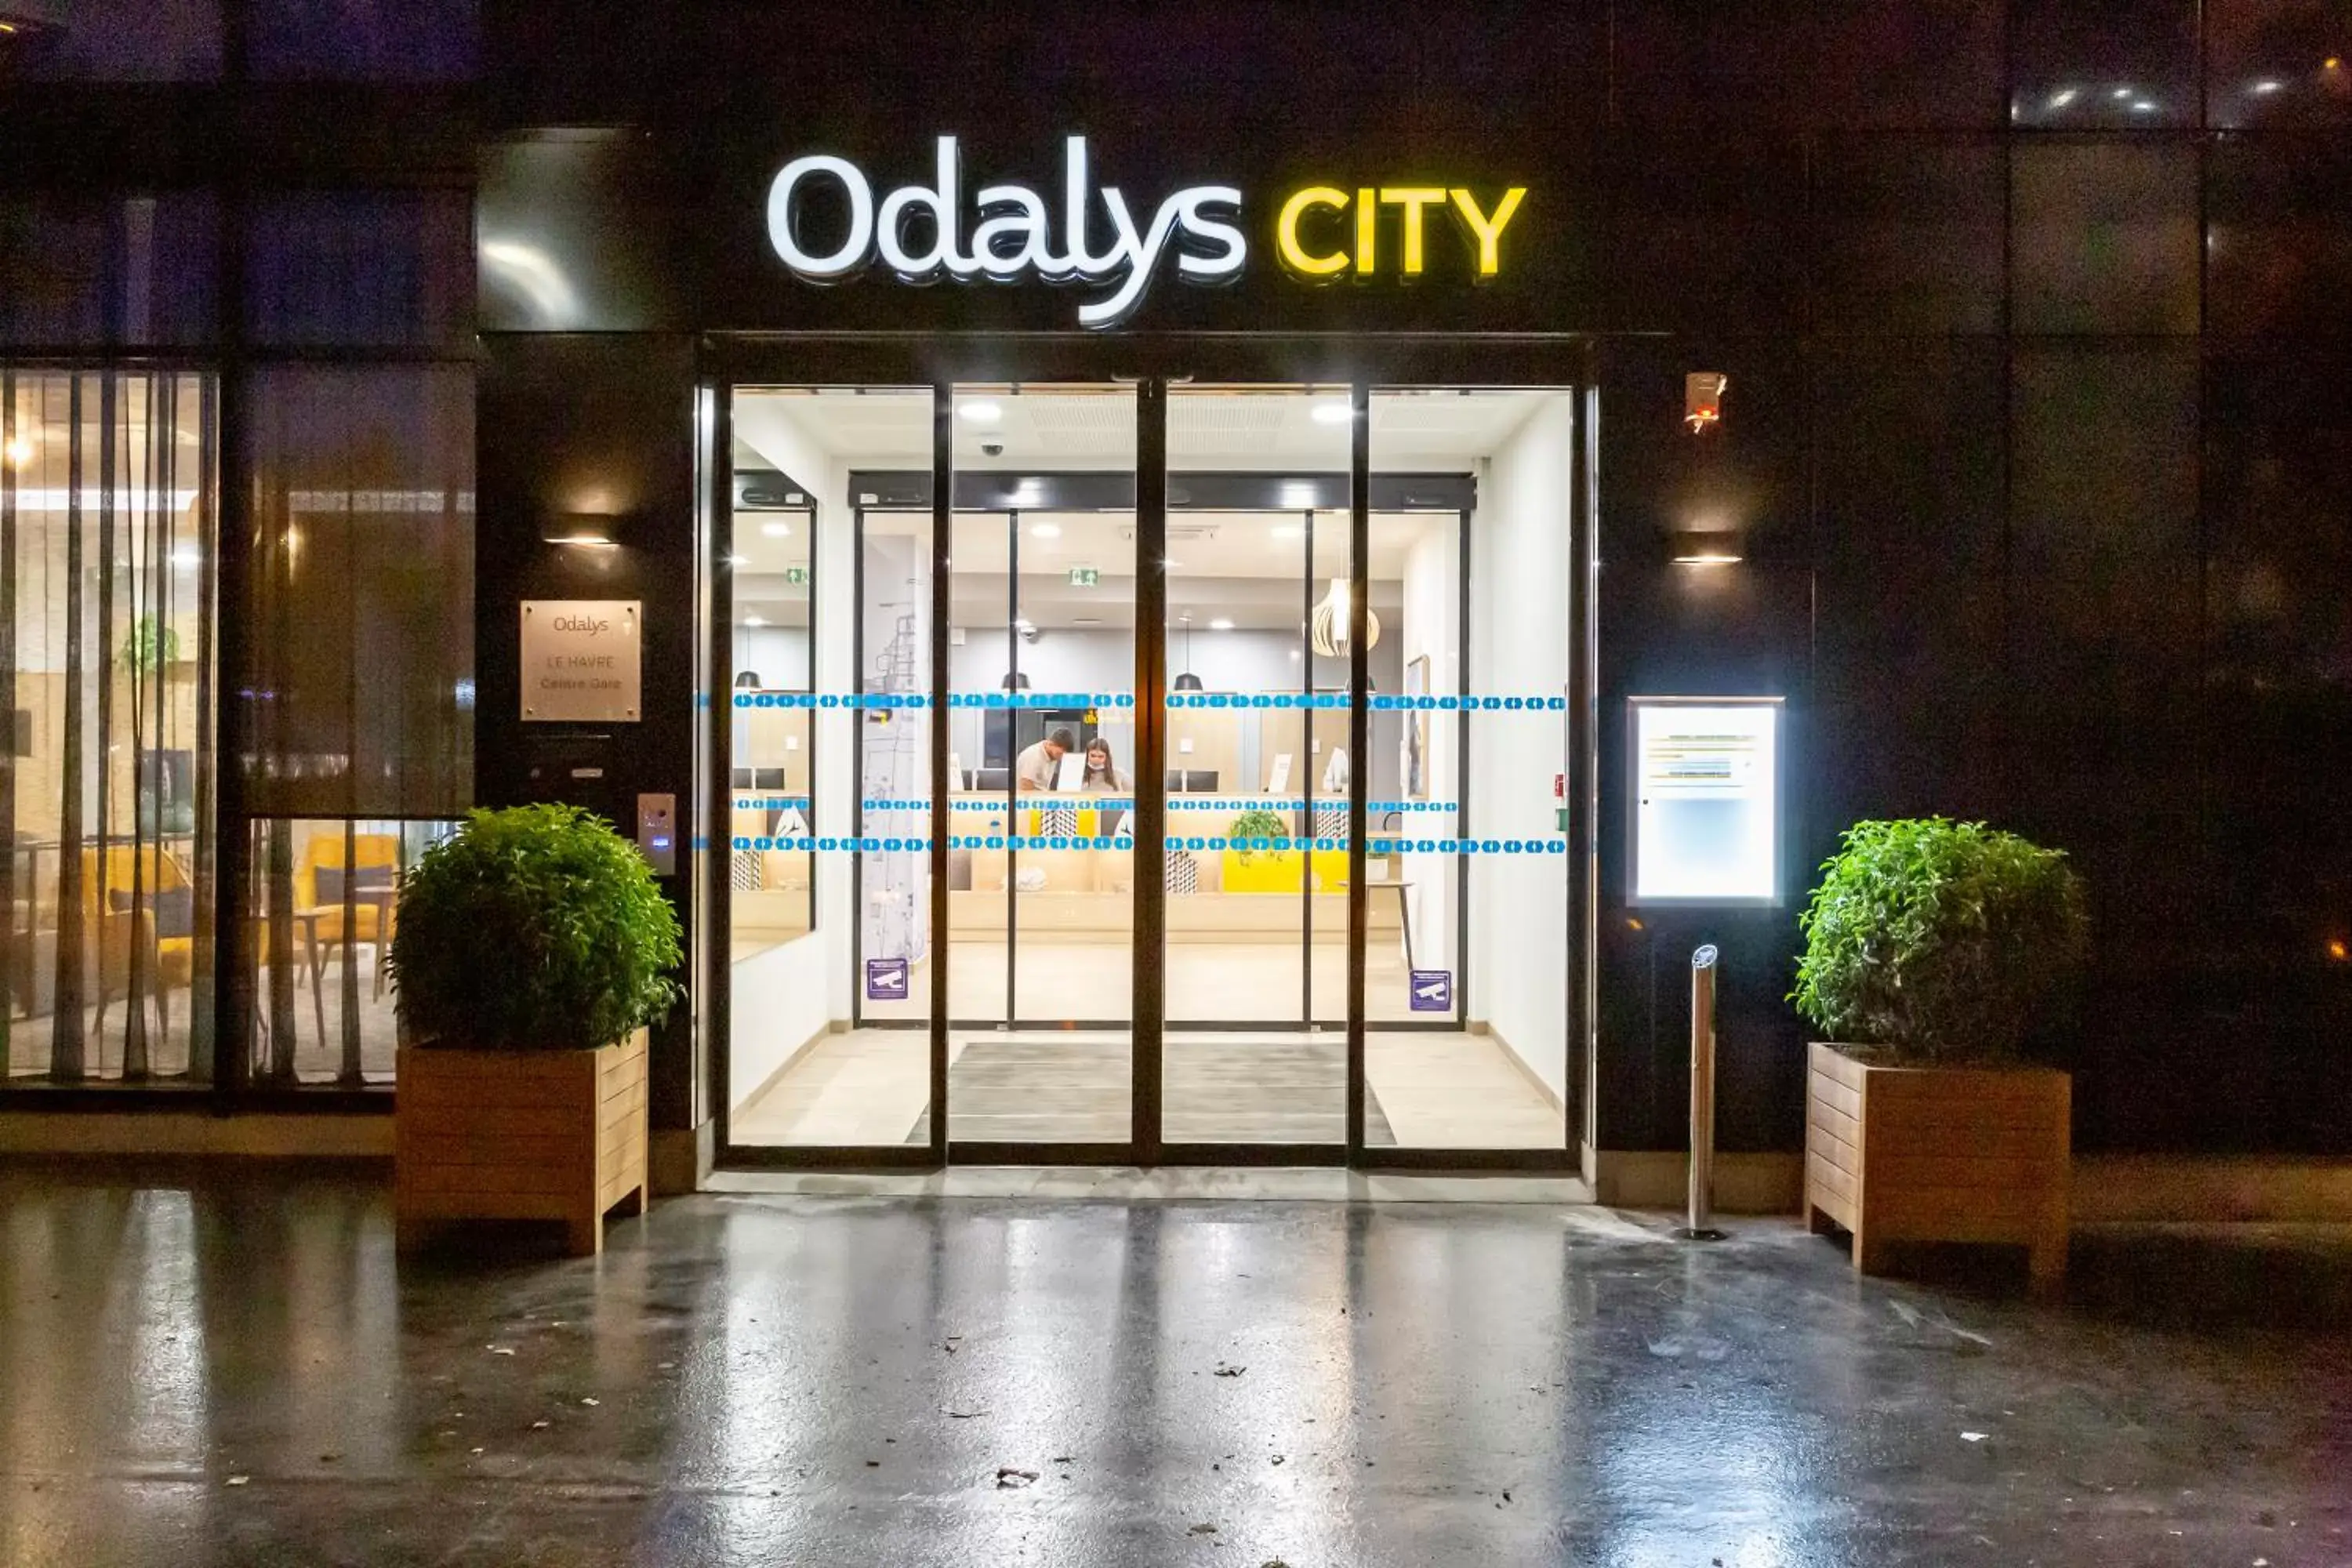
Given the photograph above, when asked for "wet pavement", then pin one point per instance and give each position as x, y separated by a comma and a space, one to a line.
236, 1369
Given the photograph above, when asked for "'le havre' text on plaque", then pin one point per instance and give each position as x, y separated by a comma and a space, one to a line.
580, 660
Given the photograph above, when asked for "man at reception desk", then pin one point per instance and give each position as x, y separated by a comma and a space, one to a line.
1039, 766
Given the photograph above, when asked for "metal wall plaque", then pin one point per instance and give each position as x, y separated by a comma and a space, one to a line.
581, 661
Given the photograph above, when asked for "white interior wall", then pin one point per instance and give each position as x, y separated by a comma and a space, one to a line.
1430, 627
778, 655
785, 996
1520, 646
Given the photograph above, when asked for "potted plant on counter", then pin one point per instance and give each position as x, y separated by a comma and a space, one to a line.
532, 952
1934, 951
1246, 870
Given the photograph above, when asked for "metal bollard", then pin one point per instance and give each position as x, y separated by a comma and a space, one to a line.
1702, 1104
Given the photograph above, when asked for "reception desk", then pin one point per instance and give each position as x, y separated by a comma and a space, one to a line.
1088, 894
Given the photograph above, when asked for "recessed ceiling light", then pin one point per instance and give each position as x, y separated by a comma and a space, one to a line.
1221, 624
755, 620
1289, 531
739, 560
1331, 411
185, 555
777, 530
18, 451
1045, 530
980, 411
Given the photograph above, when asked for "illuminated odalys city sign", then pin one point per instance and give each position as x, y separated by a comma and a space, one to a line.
1008, 233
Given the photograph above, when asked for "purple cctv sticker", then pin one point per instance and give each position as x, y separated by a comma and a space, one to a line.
1432, 991
886, 980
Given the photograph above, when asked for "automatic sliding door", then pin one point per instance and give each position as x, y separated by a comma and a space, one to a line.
1042, 722
1259, 578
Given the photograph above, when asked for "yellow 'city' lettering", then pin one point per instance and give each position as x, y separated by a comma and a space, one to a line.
1294, 255
1482, 230
1489, 231
1413, 198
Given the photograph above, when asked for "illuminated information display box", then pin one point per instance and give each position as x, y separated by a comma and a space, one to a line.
1706, 790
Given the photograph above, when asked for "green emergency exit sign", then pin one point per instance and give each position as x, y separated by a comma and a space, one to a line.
1085, 577
796, 575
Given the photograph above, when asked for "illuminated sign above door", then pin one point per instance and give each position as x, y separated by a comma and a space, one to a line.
1009, 233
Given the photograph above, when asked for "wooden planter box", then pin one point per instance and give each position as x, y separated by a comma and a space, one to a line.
554, 1135
1898, 1155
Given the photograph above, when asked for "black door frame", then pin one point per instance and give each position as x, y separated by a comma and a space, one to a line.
1150, 361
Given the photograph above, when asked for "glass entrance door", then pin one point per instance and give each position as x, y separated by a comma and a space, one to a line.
1099, 782
1041, 745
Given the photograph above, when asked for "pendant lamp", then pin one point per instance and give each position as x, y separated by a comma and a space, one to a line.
1328, 632
1186, 681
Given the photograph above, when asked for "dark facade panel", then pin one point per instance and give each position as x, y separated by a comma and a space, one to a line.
1758, 64
1910, 535
603, 425
117, 41
2277, 62
2107, 647
2104, 236
2277, 905
2122, 64
360, 268
1906, 234
2278, 238
1700, 235
364, 40
1676, 630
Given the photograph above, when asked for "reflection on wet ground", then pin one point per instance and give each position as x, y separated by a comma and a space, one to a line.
236, 1369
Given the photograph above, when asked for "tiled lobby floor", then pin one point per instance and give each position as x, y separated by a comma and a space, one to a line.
1430, 1090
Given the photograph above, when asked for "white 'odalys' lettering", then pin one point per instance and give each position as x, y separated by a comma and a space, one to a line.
918, 231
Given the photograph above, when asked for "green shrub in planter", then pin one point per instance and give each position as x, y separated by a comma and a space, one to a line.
535, 927
1938, 942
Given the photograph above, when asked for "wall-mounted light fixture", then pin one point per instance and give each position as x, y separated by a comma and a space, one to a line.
1692, 547
1703, 400
583, 529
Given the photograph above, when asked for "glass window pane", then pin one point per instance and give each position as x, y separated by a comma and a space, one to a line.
106, 530
1261, 601
2103, 62
365, 40
389, 268
1469, 1044
325, 903
136, 270
361, 626
2106, 237
825, 598
1042, 930
115, 40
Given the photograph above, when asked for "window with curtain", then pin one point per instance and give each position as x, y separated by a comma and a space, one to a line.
107, 637
359, 682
